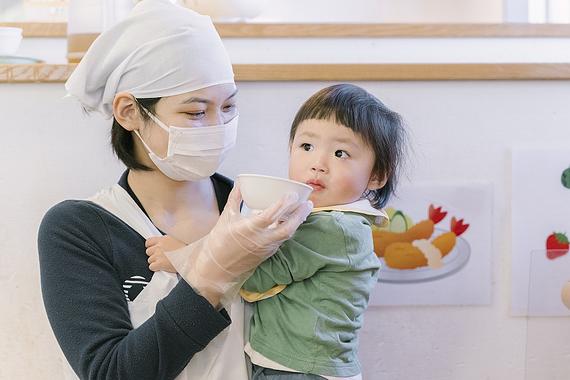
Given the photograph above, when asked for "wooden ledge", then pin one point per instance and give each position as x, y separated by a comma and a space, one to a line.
401, 72
320, 30
45, 73
40, 29
392, 30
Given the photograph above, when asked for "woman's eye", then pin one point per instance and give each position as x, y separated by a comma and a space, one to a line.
341, 154
196, 115
306, 147
229, 108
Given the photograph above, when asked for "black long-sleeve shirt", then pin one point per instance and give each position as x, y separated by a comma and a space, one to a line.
91, 265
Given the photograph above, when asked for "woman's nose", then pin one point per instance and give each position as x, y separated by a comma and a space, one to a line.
218, 119
215, 118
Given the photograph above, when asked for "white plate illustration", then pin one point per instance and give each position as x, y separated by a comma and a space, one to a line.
452, 263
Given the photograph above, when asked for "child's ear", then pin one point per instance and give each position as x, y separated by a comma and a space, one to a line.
375, 183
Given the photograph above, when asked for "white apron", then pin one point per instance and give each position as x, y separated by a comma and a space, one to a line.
223, 357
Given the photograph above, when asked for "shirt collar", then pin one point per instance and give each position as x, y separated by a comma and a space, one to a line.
361, 206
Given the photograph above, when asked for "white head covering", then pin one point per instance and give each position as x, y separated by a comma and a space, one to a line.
160, 49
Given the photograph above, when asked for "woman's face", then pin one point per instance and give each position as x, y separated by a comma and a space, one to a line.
209, 106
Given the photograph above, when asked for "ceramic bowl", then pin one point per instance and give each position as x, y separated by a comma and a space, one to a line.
261, 191
10, 39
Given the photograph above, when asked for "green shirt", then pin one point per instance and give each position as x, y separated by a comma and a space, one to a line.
329, 267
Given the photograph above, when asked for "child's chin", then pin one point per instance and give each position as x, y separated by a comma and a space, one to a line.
317, 202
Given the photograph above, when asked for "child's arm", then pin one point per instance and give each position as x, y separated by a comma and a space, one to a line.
310, 249
155, 248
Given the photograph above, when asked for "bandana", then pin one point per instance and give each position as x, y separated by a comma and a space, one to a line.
160, 49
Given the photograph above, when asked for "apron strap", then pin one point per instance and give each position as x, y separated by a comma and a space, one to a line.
118, 202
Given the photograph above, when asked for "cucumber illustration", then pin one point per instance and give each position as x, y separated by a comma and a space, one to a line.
398, 222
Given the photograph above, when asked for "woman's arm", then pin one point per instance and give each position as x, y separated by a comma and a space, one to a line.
88, 311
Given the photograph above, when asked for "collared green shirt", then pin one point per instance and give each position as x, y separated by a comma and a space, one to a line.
330, 268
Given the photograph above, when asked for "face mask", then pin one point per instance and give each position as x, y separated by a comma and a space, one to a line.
194, 153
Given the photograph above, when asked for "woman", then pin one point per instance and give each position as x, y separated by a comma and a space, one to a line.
164, 76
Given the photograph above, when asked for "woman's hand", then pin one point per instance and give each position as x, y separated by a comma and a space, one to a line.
220, 262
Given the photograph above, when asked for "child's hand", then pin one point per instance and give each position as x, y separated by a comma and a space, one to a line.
155, 248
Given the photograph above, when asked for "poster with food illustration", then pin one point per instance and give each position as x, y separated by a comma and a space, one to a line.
548, 284
548, 339
436, 249
540, 229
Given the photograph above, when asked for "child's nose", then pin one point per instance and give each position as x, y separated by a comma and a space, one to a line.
319, 166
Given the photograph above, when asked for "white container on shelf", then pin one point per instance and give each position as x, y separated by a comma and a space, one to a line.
10, 39
88, 18
227, 10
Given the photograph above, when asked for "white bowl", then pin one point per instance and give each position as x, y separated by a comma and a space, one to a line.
10, 39
261, 191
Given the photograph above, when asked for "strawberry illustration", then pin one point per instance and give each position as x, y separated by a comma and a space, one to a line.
556, 245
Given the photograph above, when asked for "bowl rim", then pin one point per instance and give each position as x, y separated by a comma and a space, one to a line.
281, 179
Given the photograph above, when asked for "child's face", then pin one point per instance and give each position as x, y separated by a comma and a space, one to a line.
333, 160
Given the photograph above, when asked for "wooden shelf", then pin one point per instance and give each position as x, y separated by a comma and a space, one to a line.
393, 30
38, 73
281, 30
46, 73
401, 72
40, 29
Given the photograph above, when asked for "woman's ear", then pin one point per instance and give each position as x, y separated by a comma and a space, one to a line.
126, 112
375, 183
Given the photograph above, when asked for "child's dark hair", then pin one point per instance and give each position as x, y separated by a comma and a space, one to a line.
379, 127
122, 140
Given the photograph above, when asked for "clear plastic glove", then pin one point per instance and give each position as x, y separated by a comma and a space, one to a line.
218, 264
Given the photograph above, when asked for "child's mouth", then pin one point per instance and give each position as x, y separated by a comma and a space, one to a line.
316, 185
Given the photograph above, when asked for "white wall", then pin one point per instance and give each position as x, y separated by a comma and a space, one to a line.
48, 152
490, 11
460, 131
360, 50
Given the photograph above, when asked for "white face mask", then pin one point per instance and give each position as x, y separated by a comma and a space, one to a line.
194, 153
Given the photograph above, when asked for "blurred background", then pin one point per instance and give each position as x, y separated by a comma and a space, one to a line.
388, 11
473, 79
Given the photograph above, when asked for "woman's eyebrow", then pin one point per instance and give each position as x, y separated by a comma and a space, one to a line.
233, 94
196, 100
203, 100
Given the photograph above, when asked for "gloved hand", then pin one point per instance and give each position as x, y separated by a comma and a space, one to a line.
218, 264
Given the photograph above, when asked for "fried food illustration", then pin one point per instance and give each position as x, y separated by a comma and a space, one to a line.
420, 230
422, 252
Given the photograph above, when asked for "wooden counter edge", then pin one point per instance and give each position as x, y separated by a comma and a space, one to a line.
340, 30
52, 73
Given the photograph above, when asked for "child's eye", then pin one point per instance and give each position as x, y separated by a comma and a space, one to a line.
341, 154
306, 147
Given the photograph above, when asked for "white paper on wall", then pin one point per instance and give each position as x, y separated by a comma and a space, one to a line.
464, 276
540, 220
548, 285
548, 339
